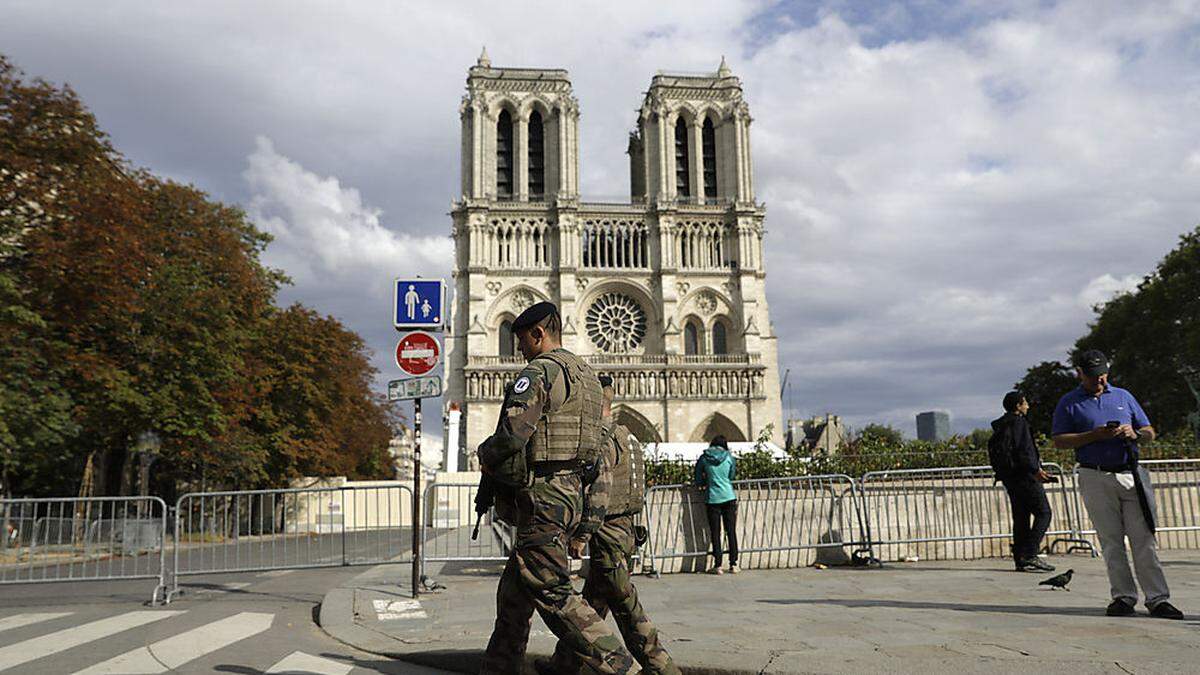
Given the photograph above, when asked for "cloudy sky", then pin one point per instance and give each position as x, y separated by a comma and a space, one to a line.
949, 186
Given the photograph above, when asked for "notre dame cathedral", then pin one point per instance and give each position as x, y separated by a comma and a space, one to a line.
664, 292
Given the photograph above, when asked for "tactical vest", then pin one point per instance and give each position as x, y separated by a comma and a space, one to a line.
628, 492
573, 431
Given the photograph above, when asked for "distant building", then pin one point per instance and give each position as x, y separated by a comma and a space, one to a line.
401, 450
823, 432
933, 425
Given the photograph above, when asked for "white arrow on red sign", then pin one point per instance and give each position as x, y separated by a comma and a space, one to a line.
418, 353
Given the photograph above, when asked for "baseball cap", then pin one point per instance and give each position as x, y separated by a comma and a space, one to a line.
1093, 363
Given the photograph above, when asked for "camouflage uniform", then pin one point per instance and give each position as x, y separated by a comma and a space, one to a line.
548, 510
608, 586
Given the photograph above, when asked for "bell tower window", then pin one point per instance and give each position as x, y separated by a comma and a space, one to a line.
708, 137
504, 156
537, 158
720, 346
691, 339
683, 186
506, 339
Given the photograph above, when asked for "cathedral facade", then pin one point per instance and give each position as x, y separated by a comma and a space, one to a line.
665, 292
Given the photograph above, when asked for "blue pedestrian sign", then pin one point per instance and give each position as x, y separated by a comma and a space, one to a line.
419, 304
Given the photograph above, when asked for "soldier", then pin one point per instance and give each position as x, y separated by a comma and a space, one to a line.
608, 586
547, 438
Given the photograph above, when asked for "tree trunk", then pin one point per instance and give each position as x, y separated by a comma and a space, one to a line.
125, 488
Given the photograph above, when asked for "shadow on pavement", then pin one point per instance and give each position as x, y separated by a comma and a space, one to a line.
467, 569
952, 606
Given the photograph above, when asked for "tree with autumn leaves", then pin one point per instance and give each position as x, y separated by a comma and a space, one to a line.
130, 304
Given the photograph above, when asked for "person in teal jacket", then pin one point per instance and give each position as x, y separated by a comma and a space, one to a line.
715, 472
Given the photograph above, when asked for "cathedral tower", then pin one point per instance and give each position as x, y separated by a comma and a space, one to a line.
665, 292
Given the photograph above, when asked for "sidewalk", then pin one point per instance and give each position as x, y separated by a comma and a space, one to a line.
928, 617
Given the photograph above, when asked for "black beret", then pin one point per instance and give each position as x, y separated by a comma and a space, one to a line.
532, 316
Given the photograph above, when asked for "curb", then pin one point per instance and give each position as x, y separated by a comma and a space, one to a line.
337, 618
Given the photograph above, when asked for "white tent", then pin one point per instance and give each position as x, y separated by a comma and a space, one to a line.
690, 452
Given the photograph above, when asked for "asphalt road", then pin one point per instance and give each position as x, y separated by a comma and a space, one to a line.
261, 622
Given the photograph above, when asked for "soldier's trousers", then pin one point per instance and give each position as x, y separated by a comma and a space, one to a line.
537, 576
608, 588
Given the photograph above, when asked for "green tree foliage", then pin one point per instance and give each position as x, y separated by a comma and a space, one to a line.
878, 435
1153, 332
132, 304
955, 451
1043, 385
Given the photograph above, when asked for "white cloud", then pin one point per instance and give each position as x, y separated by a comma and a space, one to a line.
1106, 287
336, 249
324, 233
944, 201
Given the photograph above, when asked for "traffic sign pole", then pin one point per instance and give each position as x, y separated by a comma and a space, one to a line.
417, 305
418, 519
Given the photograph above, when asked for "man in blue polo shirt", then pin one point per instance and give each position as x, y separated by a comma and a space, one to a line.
1103, 424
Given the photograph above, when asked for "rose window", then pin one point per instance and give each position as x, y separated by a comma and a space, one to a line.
616, 323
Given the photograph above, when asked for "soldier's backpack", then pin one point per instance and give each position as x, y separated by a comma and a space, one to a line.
628, 493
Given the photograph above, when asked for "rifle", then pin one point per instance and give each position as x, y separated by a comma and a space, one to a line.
485, 496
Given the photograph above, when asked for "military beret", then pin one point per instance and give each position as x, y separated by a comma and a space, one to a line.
530, 317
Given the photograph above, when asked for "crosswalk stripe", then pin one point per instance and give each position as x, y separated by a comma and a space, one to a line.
173, 652
299, 662
29, 650
18, 620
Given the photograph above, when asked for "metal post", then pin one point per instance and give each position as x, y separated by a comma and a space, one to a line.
416, 511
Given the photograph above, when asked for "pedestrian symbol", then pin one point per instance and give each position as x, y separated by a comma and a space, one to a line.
419, 304
411, 298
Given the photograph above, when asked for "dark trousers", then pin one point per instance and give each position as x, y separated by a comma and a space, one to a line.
724, 512
1028, 499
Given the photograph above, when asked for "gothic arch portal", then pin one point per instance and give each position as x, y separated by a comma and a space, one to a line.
717, 424
641, 428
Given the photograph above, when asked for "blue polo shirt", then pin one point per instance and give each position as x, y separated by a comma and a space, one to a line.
1079, 411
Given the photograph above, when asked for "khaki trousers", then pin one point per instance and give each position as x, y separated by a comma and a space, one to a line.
1115, 512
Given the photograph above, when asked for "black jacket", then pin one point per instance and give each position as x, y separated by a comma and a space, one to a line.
1019, 438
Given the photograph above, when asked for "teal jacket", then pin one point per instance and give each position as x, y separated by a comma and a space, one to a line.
715, 470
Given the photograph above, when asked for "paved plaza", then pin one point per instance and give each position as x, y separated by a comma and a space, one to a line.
926, 617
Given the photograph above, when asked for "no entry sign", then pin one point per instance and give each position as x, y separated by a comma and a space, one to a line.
418, 353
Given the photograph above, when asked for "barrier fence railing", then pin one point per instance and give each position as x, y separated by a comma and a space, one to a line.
781, 522
259, 530
949, 512
449, 522
83, 539
954, 513
1176, 488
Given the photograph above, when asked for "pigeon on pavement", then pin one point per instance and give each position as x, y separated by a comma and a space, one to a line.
1058, 581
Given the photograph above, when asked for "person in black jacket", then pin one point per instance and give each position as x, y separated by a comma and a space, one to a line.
1023, 481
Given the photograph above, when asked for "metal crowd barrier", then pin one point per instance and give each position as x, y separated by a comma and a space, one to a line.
1176, 484
83, 539
781, 522
259, 530
954, 513
449, 522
